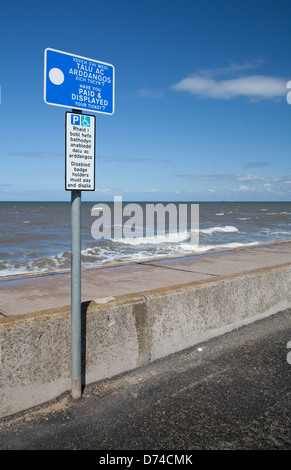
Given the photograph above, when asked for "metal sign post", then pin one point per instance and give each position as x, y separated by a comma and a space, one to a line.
88, 85
80, 174
76, 327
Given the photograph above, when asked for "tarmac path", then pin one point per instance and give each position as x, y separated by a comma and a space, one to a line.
232, 392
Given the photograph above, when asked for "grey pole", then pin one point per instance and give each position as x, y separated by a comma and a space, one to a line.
76, 293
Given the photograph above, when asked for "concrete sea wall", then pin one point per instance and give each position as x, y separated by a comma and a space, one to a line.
122, 333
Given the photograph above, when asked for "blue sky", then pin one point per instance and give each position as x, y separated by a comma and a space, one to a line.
200, 113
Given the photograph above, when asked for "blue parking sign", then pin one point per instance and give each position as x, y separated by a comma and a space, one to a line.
75, 119
78, 82
80, 120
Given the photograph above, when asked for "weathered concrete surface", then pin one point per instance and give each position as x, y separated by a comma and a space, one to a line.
36, 350
231, 393
123, 332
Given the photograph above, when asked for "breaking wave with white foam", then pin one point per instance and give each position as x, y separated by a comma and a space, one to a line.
43, 244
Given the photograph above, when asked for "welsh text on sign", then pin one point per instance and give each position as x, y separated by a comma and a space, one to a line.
80, 152
78, 82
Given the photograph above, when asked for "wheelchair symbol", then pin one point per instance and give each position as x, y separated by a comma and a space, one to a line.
85, 121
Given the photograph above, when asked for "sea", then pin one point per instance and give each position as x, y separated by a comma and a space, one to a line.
36, 236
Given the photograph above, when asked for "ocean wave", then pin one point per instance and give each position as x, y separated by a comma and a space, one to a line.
226, 228
33, 243
203, 248
99, 256
42, 264
277, 232
176, 237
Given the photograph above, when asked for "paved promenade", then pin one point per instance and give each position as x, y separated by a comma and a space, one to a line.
30, 293
232, 392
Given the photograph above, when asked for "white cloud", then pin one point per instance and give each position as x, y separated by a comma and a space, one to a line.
245, 189
35, 154
104, 190
233, 68
254, 87
250, 177
268, 188
255, 164
147, 93
132, 160
244, 183
225, 177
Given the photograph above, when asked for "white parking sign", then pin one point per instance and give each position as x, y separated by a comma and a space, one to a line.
80, 152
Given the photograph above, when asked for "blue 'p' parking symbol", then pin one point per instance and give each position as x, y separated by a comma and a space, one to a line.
75, 119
